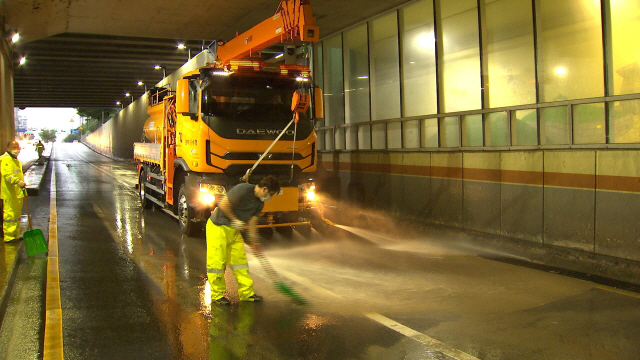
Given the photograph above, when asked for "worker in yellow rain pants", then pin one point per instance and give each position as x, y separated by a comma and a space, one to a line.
225, 244
11, 191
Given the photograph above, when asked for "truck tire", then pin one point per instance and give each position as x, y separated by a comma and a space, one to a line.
186, 214
142, 190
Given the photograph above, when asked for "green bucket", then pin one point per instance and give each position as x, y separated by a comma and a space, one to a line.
34, 242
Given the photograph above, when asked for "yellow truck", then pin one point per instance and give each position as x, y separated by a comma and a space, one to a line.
206, 135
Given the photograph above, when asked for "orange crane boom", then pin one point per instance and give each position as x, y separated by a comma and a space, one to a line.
293, 21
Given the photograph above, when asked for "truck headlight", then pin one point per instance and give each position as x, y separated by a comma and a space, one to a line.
208, 198
209, 192
311, 193
307, 192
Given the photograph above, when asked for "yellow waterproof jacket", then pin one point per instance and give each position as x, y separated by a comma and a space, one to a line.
11, 170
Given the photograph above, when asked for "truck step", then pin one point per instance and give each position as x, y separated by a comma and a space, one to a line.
156, 176
154, 200
154, 188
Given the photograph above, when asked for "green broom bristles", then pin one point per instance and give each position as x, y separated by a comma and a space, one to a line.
289, 292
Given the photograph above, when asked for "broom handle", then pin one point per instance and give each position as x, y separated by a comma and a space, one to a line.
266, 265
26, 204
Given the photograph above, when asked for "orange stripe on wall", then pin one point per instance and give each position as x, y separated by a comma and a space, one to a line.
521, 177
580, 181
417, 170
481, 174
446, 172
618, 183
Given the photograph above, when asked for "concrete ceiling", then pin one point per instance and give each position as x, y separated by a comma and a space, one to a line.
90, 52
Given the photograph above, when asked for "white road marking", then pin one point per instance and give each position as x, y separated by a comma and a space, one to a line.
391, 324
420, 337
103, 170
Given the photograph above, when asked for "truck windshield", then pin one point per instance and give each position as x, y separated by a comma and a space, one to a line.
264, 98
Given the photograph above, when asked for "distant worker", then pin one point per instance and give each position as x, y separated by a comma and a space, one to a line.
12, 192
225, 245
40, 150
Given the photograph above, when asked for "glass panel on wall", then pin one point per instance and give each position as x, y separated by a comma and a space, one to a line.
333, 82
496, 129
321, 139
318, 77
625, 32
461, 66
430, 133
524, 127
356, 78
624, 122
472, 130
329, 140
411, 134
379, 136
588, 124
570, 60
394, 135
339, 139
385, 68
510, 53
419, 92
554, 126
450, 131
364, 137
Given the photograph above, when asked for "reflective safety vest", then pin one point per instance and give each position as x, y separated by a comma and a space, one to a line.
11, 170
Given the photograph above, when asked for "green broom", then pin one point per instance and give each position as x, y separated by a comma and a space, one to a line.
34, 241
280, 286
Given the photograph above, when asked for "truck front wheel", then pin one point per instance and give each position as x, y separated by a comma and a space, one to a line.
186, 214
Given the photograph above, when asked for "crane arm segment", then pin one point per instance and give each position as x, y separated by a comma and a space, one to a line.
293, 21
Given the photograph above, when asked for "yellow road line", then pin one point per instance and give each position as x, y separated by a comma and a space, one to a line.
53, 317
617, 291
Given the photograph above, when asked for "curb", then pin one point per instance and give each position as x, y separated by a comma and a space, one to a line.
11, 279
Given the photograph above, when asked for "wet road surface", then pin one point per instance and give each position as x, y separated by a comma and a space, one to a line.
133, 288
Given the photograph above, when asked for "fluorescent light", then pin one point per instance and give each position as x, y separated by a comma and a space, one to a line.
15, 38
23, 60
363, 77
561, 71
278, 56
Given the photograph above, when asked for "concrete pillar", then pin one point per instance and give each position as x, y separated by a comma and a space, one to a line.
7, 123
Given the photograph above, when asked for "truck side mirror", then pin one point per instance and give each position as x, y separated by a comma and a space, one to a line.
182, 96
318, 105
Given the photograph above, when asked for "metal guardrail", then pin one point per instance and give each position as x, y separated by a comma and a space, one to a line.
156, 97
509, 111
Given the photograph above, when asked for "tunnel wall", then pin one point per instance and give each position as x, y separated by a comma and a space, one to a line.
576, 199
7, 121
116, 137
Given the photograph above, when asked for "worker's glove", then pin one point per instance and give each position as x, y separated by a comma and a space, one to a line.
237, 224
21, 184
